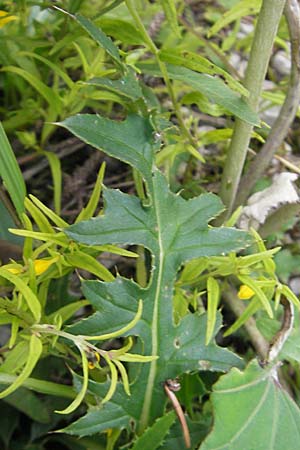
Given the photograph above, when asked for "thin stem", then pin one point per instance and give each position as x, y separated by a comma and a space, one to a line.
163, 68
264, 36
287, 112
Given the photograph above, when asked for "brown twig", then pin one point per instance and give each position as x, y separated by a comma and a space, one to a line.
170, 387
285, 330
287, 112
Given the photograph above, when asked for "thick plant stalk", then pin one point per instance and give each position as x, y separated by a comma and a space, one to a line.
287, 112
264, 36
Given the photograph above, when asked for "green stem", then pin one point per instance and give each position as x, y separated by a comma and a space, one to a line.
44, 387
163, 68
287, 112
264, 36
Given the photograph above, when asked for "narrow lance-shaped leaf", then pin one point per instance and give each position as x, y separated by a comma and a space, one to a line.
213, 293
100, 37
214, 88
78, 399
29, 296
34, 353
170, 11
11, 173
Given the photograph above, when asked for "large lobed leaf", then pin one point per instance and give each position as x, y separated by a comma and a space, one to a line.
174, 230
253, 412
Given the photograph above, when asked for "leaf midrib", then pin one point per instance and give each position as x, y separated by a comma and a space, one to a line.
154, 327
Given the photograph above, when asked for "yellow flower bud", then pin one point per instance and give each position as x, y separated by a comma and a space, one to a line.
41, 265
5, 18
245, 292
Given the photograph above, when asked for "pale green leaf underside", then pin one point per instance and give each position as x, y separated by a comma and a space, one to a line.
253, 412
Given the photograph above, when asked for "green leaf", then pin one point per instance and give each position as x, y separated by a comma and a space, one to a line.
200, 64
56, 173
213, 294
175, 441
174, 230
50, 95
80, 396
129, 141
248, 281
127, 86
121, 30
153, 437
88, 211
29, 296
214, 88
97, 34
253, 412
84, 261
30, 404
44, 387
35, 351
11, 173
170, 11
240, 9
8, 423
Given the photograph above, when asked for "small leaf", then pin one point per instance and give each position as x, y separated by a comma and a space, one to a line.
11, 173
34, 353
76, 402
113, 381
252, 284
170, 11
50, 95
121, 30
56, 219
97, 34
121, 331
30, 298
213, 294
39, 217
251, 309
240, 9
127, 86
214, 88
200, 64
124, 376
266, 417
154, 436
55, 167
285, 290
89, 210
86, 262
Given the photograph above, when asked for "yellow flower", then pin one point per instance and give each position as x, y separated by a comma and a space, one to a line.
5, 18
41, 265
245, 292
